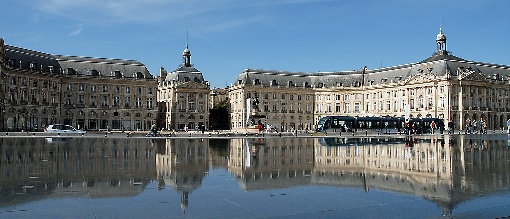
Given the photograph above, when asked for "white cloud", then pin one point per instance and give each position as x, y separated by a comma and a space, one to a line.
147, 10
76, 31
208, 14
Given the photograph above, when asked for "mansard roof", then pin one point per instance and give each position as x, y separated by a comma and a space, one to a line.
79, 65
185, 74
104, 66
16, 56
435, 67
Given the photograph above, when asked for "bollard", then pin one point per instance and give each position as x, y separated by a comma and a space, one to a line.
6, 133
280, 134
82, 134
209, 134
33, 133
58, 134
340, 133
262, 134
366, 132
106, 134
189, 134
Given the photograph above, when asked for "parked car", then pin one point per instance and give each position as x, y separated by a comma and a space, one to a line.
61, 128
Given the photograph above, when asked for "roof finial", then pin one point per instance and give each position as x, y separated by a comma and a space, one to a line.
187, 33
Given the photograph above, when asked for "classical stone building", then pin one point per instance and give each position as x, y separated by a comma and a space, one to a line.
441, 86
183, 97
38, 89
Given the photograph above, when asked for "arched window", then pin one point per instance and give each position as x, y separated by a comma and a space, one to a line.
117, 74
94, 72
274, 82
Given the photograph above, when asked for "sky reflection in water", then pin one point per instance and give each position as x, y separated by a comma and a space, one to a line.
424, 176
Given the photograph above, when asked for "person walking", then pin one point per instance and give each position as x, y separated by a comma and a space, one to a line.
154, 130
508, 126
450, 127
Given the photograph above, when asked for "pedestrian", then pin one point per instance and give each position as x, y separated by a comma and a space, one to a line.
432, 126
468, 126
450, 127
508, 126
154, 130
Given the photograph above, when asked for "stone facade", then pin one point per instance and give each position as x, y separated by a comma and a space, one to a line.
442, 86
39, 89
183, 97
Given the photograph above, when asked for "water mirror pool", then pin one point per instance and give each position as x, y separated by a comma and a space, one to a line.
350, 177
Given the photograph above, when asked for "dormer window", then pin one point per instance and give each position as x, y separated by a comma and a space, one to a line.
274, 83
118, 74
256, 81
51, 69
33, 66
94, 72
291, 84
70, 71
139, 75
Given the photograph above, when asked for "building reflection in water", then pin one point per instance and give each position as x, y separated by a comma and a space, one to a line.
443, 170
35, 168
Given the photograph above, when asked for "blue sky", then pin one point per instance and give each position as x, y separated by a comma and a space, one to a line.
227, 36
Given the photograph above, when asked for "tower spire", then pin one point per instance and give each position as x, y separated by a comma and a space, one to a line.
186, 54
441, 43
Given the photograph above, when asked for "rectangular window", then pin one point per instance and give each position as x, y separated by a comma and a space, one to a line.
127, 102
149, 103
81, 99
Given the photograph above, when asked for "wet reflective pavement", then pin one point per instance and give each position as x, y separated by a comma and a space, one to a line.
458, 176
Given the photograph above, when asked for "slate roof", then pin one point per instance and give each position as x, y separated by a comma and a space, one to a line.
182, 72
27, 56
436, 65
80, 65
106, 67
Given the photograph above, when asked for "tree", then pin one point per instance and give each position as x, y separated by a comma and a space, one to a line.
219, 116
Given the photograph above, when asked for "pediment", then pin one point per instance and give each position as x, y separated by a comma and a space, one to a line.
472, 76
419, 78
193, 84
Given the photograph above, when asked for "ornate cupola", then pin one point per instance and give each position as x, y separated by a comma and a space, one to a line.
186, 56
441, 43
